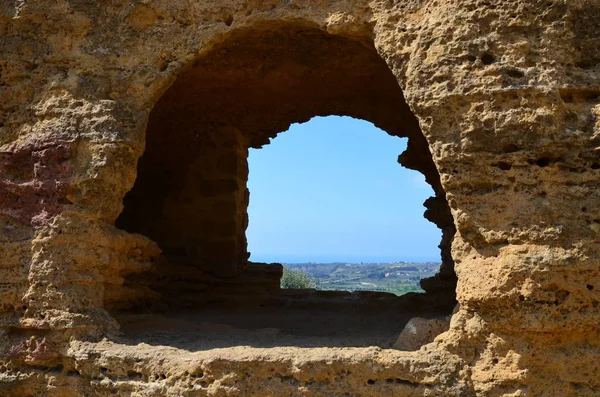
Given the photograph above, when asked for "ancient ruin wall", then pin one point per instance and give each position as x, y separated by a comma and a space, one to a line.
505, 93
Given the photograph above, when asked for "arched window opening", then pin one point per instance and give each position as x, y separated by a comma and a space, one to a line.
329, 200
191, 195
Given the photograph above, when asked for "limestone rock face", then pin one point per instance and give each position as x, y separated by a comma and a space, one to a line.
124, 131
420, 331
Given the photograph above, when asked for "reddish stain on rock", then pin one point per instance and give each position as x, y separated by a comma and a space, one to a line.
34, 182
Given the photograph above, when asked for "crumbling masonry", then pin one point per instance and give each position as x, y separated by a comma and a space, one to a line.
124, 135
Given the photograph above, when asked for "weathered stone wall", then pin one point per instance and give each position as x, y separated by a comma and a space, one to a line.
191, 194
505, 93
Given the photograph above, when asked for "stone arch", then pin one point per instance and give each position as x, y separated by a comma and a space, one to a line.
506, 94
190, 195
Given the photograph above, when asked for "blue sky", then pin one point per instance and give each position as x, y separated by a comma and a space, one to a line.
331, 190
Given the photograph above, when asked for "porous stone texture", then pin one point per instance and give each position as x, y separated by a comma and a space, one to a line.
420, 331
499, 100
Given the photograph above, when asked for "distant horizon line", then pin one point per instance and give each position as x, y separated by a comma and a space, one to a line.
329, 258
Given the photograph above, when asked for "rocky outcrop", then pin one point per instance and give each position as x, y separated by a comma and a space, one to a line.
124, 130
420, 331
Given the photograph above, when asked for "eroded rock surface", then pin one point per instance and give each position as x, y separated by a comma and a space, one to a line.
420, 331
499, 100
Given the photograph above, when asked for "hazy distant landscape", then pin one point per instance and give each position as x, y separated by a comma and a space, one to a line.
394, 277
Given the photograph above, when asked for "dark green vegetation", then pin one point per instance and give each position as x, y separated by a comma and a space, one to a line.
296, 279
397, 278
